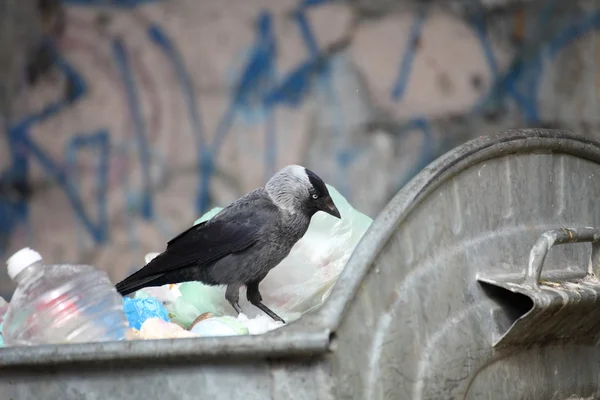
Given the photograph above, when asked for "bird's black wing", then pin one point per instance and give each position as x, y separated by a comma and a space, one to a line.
234, 229
186, 232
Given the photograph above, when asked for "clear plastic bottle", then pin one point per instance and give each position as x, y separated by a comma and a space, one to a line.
61, 303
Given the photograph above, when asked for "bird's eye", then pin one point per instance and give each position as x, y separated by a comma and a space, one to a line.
314, 196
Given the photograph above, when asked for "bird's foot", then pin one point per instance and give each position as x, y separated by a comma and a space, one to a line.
270, 313
237, 308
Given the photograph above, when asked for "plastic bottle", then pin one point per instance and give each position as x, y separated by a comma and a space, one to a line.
61, 303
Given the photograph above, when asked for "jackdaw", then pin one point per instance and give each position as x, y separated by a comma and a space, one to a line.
244, 241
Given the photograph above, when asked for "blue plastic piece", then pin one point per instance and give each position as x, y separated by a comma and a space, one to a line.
139, 310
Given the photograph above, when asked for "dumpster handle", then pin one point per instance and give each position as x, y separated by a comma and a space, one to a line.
561, 236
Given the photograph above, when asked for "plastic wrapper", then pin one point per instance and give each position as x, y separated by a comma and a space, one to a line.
166, 294
195, 299
205, 325
156, 328
260, 324
301, 282
139, 309
219, 326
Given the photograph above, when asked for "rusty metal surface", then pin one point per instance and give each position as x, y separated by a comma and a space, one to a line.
407, 318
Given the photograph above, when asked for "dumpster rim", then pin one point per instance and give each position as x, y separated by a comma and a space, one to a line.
298, 344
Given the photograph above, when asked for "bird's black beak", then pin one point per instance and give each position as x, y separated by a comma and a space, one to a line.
330, 208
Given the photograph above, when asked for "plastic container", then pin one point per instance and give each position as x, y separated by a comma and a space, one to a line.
61, 303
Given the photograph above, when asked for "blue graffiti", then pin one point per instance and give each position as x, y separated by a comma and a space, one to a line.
568, 35
306, 31
409, 53
345, 155
22, 146
257, 78
308, 3
133, 198
158, 37
427, 153
205, 159
521, 82
109, 3
122, 62
478, 24
206, 153
99, 141
249, 92
257, 89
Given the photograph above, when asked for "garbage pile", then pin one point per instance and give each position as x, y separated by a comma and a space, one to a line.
66, 303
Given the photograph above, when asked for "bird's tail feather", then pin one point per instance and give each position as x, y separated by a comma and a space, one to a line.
132, 284
145, 276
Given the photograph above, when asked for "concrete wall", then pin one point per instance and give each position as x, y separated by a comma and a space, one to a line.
149, 112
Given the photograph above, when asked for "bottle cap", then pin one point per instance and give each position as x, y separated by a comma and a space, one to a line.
21, 260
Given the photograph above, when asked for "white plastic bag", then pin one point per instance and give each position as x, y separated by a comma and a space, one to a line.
220, 326
260, 324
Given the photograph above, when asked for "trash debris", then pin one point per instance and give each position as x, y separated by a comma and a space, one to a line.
260, 324
166, 294
202, 317
205, 325
140, 309
156, 328
195, 299
60, 303
219, 326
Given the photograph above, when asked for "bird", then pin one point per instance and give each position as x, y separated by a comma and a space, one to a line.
245, 240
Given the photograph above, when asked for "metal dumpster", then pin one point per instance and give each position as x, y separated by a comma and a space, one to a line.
466, 286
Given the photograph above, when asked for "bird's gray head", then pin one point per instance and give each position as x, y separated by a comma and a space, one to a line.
295, 188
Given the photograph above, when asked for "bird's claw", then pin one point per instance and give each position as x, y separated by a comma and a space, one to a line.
277, 318
270, 313
237, 307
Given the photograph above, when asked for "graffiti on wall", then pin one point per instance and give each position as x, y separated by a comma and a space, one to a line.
139, 94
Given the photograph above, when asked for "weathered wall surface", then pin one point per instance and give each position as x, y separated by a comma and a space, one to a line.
146, 113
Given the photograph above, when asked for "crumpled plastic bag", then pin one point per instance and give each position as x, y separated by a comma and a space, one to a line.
209, 325
219, 326
166, 294
206, 325
259, 324
196, 299
156, 328
301, 282
139, 309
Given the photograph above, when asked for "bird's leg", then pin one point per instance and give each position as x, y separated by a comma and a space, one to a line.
232, 294
255, 299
